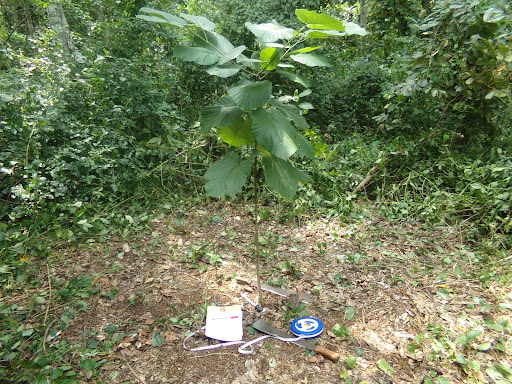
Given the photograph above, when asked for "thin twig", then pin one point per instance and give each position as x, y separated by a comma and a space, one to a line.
134, 373
49, 295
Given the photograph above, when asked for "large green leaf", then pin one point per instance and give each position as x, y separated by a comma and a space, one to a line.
291, 112
295, 78
162, 17
239, 133
318, 34
231, 54
270, 32
250, 94
214, 42
319, 20
223, 113
282, 176
270, 58
354, 29
311, 60
227, 176
224, 70
198, 55
306, 50
274, 132
200, 21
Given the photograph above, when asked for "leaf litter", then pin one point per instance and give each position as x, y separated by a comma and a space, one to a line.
374, 284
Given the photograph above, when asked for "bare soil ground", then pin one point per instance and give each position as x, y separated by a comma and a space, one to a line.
398, 278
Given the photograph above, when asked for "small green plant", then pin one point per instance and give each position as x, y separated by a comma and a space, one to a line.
258, 121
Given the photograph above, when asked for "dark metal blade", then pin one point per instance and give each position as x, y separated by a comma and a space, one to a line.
263, 326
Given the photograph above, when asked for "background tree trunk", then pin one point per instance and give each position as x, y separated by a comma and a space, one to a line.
58, 22
363, 13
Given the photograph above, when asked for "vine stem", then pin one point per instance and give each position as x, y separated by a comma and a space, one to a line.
257, 226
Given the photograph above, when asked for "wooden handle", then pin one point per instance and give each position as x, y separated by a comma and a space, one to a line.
328, 354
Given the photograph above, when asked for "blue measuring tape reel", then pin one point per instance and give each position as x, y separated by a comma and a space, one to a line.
307, 327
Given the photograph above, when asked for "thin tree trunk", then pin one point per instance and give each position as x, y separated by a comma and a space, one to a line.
58, 22
257, 229
363, 13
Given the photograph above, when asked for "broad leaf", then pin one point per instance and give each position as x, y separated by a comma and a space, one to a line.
239, 133
249, 94
224, 70
317, 34
295, 78
223, 113
306, 49
253, 62
198, 55
231, 54
311, 60
274, 132
354, 29
270, 58
227, 176
270, 32
162, 17
319, 20
200, 21
282, 176
291, 112
213, 42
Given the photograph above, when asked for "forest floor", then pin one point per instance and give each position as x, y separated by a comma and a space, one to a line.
400, 303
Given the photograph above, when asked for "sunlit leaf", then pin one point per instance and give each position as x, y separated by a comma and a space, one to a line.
306, 50
227, 176
493, 15
239, 133
270, 32
385, 367
270, 58
319, 20
214, 42
318, 34
354, 29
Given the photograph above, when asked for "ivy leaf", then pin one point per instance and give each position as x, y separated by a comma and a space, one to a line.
385, 367
311, 60
239, 133
350, 312
224, 70
223, 113
295, 78
340, 330
470, 336
198, 55
200, 21
249, 94
351, 362
227, 176
274, 132
282, 176
270, 32
319, 20
162, 17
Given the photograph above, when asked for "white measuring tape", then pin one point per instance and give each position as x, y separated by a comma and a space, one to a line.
244, 349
